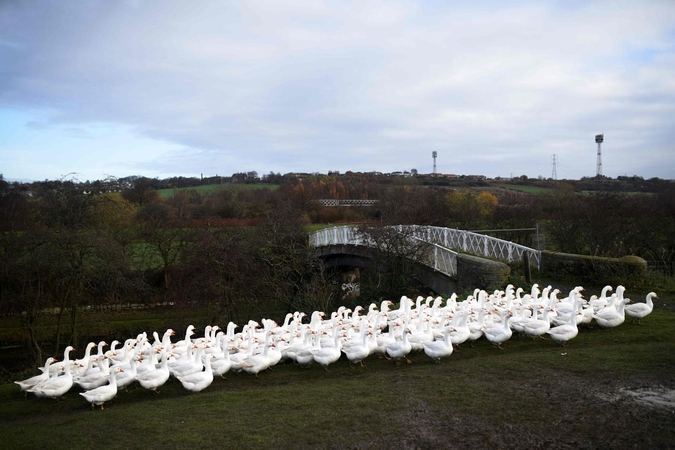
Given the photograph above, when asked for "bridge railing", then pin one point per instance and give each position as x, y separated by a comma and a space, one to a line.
477, 244
436, 256
445, 238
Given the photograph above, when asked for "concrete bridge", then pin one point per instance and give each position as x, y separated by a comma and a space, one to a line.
447, 270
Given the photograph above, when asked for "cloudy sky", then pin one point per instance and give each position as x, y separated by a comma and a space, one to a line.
164, 88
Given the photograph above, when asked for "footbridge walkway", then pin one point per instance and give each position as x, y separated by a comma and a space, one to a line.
444, 244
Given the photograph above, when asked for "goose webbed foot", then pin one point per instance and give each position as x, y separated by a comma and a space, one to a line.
408, 361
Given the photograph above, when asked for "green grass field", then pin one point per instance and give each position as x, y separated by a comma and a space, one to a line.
526, 189
210, 188
534, 393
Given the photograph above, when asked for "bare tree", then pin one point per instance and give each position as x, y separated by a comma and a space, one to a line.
397, 260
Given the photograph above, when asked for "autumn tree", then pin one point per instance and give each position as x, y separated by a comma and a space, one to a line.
469, 209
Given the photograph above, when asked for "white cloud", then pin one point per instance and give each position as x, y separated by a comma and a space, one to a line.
320, 85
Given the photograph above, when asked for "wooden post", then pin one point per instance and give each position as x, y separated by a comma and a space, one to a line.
526, 266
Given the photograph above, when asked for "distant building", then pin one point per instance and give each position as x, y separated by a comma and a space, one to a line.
297, 175
443, 175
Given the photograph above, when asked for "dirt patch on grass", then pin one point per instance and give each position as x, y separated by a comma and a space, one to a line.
579, 414
657, 397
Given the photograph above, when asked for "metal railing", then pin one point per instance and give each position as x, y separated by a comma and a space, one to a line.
437, 257
346, 202
443, 238
478, 244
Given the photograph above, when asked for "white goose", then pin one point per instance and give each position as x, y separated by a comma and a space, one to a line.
476, 328
33, 381
356, 353
498, 333
180, 369
198, 381
55, 387
96, 377
534, 327
102, 394
222, 364
305, 356
152, 379
565, 332
126, 376
85, 361
400, 349
640, 310
460, 332
328, 355
610, 317
599, 303
440, 348
257, 363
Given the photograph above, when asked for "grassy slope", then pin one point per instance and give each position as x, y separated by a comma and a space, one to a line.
522, 388
526, 189
210, 188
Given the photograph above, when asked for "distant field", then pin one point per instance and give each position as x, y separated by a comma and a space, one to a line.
210, 188
527, 189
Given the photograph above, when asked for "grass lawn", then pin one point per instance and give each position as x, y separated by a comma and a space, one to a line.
531, 394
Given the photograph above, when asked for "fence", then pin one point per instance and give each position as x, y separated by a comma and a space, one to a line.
437, 257
442, 239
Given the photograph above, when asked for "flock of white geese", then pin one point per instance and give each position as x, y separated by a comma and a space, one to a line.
432, 325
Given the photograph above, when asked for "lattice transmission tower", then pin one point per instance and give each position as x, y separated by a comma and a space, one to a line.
554, 173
